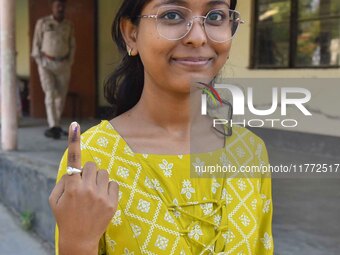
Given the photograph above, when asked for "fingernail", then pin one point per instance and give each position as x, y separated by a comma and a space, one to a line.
74, 127
115, 184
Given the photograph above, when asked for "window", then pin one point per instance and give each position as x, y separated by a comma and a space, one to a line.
297, 34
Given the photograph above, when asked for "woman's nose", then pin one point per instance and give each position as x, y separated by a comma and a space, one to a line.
197, 36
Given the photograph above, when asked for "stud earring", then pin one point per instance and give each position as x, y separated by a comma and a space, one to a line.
130, 52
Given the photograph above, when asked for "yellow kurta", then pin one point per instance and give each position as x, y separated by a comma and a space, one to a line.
163, 211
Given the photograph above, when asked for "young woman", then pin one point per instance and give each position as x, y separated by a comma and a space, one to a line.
147, 150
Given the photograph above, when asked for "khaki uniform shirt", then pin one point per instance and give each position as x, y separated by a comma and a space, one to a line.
53, 39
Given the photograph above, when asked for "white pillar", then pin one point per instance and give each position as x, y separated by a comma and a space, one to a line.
9, 122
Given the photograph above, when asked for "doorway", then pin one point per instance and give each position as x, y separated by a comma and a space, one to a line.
82, 88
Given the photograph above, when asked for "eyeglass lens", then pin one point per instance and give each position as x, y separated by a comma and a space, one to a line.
175, 22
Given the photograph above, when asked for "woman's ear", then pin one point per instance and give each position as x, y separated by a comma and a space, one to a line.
129, 32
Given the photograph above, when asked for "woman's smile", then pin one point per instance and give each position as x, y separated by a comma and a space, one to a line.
192, 62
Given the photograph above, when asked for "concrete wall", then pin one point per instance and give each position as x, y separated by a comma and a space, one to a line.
25, 187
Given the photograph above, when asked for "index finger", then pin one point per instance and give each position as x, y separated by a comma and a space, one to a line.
74, 150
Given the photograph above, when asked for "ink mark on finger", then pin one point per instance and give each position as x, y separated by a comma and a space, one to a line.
75, 134
73, 158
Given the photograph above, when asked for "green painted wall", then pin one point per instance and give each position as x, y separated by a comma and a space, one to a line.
22, 37
107, 52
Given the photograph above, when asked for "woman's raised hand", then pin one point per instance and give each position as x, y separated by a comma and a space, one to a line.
83, 204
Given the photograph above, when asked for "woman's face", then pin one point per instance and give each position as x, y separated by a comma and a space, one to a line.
174, 64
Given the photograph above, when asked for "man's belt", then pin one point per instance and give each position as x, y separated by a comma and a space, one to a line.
58, 59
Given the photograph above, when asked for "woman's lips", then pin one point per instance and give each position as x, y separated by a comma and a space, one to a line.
192, 61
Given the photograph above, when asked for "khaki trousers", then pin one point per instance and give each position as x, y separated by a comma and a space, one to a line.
54, 78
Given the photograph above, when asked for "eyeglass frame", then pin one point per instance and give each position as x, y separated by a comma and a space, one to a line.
191, 22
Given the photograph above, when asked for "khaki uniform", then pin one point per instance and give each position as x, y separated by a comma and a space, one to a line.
53, 50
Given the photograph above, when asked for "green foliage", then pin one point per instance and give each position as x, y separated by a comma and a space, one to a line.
26, 219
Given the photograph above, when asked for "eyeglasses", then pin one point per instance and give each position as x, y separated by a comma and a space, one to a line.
175, 22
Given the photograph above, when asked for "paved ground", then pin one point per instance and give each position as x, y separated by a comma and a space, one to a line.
306, 211
15, 240
33, 144
306, 216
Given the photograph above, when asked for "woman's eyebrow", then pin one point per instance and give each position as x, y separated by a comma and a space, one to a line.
171, 2
185, 3
217, 2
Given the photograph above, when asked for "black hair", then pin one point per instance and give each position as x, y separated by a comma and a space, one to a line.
123, 88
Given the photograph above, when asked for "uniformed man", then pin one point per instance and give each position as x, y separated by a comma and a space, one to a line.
53, 51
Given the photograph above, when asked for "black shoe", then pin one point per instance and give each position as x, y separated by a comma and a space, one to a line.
61, 131
52, 133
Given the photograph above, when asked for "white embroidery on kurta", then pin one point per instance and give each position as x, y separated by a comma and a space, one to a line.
157, 185
254, 204
103, 142
153, 184
241, 185
161, 242
244, 219
110, 242
225, 195
148, 182
224, 160
123, 172
177, 214
143, 206
266, 206
116, 219
267, 241
198, 163
168, 217
109, 126
187, 189
137, 230
217, 220
214, 186
196, 232
206, 208
166, 167
98, 161
228, 236
127, 252
258, 152
252, 140
240, 152
128, 151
